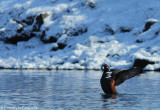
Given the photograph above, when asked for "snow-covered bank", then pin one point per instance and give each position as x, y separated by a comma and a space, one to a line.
72, 34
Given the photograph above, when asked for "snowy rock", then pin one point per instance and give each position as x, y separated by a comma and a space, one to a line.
70, 34
39, 21
149, 23
109, 30
142, 63
52, 39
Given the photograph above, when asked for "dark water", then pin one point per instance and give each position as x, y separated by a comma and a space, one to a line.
69, 90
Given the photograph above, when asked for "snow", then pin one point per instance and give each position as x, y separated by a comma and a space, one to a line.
94, 32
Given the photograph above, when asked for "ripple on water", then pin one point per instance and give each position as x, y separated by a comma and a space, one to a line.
76, 90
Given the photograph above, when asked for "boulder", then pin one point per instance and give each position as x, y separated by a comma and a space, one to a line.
61, 45
18, 38
76, 31
39, 21
142, 63
149, 23
125, 29
24, 33
108, 30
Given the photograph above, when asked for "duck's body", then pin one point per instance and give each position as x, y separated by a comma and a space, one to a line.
107, 84
111, 79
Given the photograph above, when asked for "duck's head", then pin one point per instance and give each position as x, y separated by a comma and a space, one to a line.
105, 68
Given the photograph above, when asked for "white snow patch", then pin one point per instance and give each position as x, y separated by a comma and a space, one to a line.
81, 26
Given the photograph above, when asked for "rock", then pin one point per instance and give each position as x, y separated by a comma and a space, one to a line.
142, 63
157, 32
55, 47
51, 39
76, 32
75, 61
39, 21
108, 30
20, 29
61, 45
149, 23
24, 34
29, 20
91, 5
125, 29
139, 41
17, 38
1, 67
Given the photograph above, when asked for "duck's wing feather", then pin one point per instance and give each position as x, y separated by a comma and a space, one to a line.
121, 75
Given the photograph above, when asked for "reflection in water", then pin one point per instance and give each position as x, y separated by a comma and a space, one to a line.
140, 92
107, 96
75, 90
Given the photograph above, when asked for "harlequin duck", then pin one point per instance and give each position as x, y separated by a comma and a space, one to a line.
110, 80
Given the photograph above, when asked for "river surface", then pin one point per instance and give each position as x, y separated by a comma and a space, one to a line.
72, 90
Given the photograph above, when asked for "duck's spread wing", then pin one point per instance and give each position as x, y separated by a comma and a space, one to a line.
121, 75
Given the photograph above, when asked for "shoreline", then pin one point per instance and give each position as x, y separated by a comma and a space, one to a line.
50, 69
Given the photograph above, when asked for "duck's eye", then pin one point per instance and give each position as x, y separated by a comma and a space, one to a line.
102, 67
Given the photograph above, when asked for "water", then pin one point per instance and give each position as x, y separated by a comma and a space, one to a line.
69, 90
